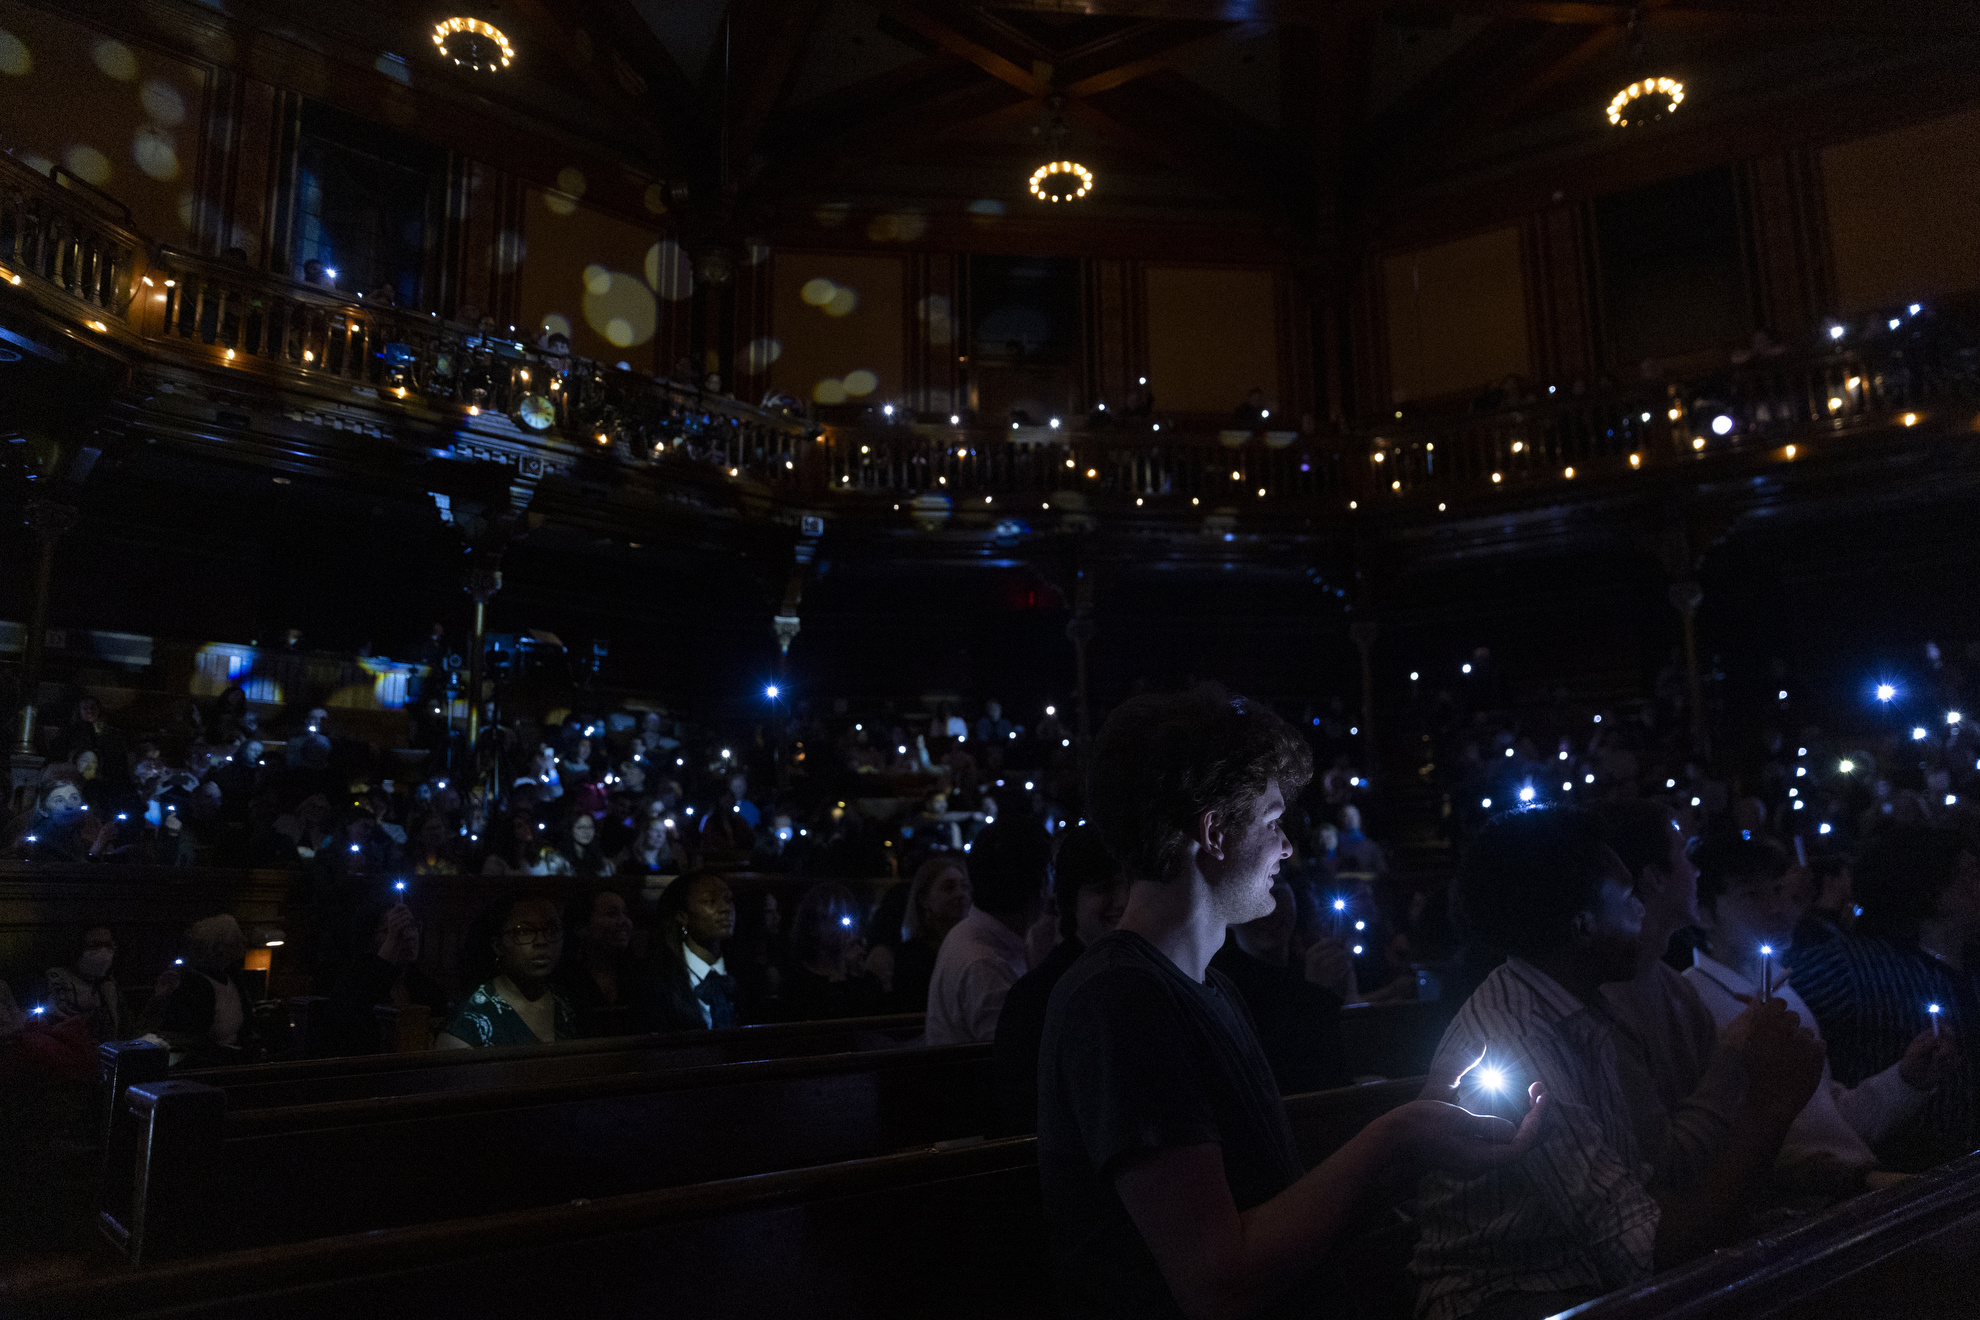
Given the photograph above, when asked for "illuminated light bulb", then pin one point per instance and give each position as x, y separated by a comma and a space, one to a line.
1568, 473
1352, 504
1357, 950
1519, 446
771, 692
1465, 669
1699, 443
1497, 477
1910, 419
1953, 717
1378, 457
1440, 507
1835, 404
954, 420
1395, 485
1790, 451
1492, 1079
1893, 323
1340, 905
1918, 735
1525, 794
1485, 803
1636, 460
1847, 766
1885, 691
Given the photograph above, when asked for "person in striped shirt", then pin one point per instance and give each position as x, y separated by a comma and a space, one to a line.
1575, 1216
1872, 990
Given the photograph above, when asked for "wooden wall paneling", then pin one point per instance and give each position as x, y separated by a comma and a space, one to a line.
752, 330
251, 192
1793, 271
507, 198
1562, 336
1368, 338
278, 232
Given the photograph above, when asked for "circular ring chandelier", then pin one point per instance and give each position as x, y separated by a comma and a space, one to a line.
1061, 181
473, 45
1646, 101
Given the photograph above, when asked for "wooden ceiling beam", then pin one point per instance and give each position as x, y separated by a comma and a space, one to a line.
1168, 56
773, 40
913, 17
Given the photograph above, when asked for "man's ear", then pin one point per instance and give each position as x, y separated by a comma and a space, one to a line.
1583, 926
1209, 834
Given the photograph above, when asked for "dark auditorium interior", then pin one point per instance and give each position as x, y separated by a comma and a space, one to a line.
572, 574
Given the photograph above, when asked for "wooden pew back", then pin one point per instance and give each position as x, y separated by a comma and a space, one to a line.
208, 1177
950, 1232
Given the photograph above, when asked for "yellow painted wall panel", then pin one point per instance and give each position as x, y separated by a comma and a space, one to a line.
838, 321
1212, 336
122, 117
1457, 315
604, 281
1904, 213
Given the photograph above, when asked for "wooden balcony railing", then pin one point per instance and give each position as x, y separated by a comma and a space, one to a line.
1899, 368
62, 239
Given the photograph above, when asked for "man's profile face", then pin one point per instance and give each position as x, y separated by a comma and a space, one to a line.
1243, 881
1615, 929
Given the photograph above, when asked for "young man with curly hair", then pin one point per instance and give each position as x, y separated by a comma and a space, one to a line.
1171, 1180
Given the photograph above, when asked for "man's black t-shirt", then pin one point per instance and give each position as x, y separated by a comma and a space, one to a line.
1137, 1057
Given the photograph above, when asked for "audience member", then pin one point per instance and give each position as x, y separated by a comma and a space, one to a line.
1294, 1006
601, 979
1171, 1181
57, 828
1090, 893
202, 1005
1871, 991
1750, 899
653, 851
383, 970
516, 1005
935, 903
827, 976
1574, 1219
84, 988
693, 988
1684, 1088
522, 849
1833, 912
580, 848
1010, 870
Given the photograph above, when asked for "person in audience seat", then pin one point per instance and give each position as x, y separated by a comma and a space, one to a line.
1872, 990
1749, 897
1577, 1216
693, 989
653, 851
202, 1005
516, 1005
385, 970
937, 901
1294, 1005
1090, 893
826, 977
601, 979
1010, 870
1683, 1088
58, 828
580, 847
1172, 1184
85, 988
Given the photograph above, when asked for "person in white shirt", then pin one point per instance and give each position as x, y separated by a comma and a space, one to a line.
1751, 899
1010, 870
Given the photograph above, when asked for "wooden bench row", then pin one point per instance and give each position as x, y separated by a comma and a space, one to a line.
956, 1234
207, 1177
941, 1231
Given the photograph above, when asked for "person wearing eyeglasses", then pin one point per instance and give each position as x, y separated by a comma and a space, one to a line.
515, 1005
